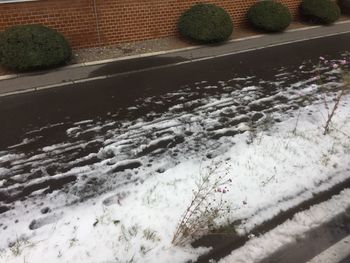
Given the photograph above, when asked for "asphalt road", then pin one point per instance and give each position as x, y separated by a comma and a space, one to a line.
96, 99
100, 99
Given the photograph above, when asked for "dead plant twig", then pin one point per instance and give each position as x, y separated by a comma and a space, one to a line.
203, 209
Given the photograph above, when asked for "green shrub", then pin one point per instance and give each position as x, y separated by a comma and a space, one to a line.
269, 16
28, 47
206, 23
320, 11
345, 6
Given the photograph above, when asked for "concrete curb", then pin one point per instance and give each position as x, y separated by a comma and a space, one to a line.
150, 54
79, 73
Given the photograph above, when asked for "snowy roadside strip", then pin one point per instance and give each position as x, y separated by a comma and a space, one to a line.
292, 230
275, 163
278, 170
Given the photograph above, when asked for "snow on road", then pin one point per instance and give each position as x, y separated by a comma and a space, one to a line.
114, 191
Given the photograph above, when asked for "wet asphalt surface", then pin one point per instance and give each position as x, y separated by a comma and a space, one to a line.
98, 99
32, 121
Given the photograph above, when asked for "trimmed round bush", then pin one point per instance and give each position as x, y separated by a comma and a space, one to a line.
206, 23
345, 6
29, 47
270, 16
320, 11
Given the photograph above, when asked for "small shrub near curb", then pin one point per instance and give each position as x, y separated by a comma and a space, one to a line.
320, 11
345, 6
29, 47
206, 23
270, 16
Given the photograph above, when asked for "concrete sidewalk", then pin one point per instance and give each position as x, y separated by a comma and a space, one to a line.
29, 82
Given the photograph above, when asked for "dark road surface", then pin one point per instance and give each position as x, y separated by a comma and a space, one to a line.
74, 138
53, 131
102, 98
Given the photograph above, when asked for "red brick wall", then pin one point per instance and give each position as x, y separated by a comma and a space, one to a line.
293, 6
74, 18
118, 20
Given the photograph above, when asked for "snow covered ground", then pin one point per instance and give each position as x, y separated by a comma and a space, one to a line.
123, 201
292, 230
